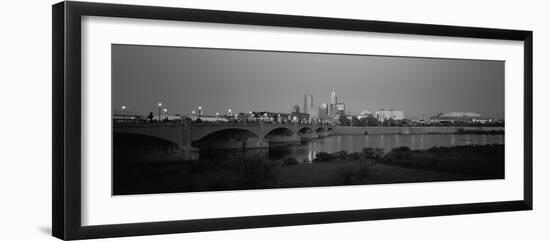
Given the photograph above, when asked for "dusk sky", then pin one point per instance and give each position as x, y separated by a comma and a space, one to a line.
217, 79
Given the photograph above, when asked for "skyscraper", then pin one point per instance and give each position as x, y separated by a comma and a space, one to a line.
308, 104
332, 104
323, 112
340, 109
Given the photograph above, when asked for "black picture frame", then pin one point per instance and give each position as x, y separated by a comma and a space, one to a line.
66, 76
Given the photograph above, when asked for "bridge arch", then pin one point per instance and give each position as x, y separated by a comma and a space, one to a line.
134, 147
320, 129
228, 133
278, 131
200, 132
229, 138
281, 135
306, 130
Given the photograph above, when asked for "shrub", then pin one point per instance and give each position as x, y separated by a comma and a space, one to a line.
323, 157
340, 155
373, 153
397, 154
483, 160
355, 156
402, 149
289, 161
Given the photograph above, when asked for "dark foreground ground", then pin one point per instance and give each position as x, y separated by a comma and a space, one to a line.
371, 166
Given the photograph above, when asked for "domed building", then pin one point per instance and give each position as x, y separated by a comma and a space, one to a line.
457, 117
365, 112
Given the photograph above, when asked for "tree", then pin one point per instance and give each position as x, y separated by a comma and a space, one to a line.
371, 121
355, 121
344, 120
390, 122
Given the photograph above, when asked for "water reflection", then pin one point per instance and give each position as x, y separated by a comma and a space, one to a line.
306, 151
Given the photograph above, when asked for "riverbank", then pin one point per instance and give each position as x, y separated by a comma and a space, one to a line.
406, 130
371, 166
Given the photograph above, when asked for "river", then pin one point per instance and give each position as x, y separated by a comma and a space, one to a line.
306, 150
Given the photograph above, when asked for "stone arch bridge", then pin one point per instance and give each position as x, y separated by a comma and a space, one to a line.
186, 133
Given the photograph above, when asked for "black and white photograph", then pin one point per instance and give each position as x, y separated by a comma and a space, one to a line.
190, 119
275, 120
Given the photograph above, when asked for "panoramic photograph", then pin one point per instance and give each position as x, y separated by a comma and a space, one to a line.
187, 119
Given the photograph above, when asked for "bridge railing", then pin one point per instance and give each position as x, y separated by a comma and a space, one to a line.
147, 124
198, 124
253, 124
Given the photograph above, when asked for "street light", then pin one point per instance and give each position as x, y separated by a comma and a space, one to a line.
165, 110
193, 115
123, 108
200, 111
217, 114
160, 105
229, 112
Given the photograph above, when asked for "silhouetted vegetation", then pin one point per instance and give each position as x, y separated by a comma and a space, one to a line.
324, 157
373, 153
472, 159
337, 156
250, 171
289, 161
366, 153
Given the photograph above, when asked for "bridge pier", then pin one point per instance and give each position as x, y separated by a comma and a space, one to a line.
257, 143
322, 134
309, 136
189, 153
245, 143
285, 139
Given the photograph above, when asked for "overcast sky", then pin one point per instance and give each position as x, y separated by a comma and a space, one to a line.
243, 80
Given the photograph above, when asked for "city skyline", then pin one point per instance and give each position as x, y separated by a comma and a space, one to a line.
185, 78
